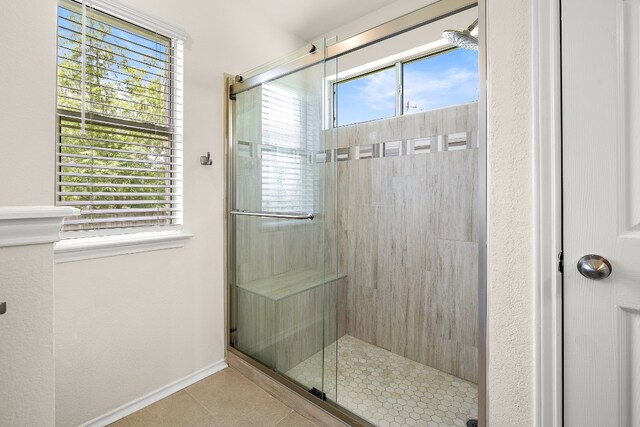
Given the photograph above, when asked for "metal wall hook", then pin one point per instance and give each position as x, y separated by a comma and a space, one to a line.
206, 160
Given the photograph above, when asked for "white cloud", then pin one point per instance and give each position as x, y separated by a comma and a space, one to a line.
379, 92
431, 90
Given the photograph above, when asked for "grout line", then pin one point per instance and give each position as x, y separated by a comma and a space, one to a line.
266, 391
294, 395
211, 413
200, 403
311, 421
282, 419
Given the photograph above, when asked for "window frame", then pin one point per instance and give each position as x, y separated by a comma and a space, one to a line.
137, 23
399, 92
377, 69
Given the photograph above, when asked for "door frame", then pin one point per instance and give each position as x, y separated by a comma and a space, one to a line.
547, 191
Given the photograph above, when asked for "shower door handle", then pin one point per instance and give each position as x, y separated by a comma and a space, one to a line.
308, 216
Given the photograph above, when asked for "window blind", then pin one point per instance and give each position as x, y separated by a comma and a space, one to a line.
289, 172
119, 122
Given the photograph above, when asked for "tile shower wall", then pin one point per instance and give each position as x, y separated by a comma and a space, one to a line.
408, 235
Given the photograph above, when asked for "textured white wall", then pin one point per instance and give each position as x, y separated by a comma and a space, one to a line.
128, 325
27, 103
26, 331
510, 219
27, 124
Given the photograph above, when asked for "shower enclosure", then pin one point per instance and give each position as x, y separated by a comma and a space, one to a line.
353, 240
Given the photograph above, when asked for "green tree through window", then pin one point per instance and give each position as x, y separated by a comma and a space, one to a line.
118, 160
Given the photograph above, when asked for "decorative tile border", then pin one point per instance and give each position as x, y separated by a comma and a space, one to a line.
405, 147
396, 148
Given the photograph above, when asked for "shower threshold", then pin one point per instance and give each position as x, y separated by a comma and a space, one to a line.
387, 389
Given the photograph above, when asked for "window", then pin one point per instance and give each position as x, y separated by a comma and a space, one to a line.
290, 130
368, 97
438, 80
119, 122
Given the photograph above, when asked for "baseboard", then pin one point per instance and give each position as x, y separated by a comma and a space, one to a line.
154, 396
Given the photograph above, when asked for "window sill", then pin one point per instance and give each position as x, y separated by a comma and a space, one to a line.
84, 248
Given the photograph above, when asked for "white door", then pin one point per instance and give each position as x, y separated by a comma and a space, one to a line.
601, 210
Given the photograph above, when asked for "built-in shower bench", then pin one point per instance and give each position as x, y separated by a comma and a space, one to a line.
290, 283
284, 319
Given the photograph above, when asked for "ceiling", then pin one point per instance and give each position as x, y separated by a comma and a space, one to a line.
308, 19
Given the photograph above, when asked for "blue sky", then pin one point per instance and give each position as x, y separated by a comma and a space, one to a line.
367, 98
439, 81
118, 37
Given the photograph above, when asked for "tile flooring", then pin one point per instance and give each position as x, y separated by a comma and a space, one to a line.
387, 389
226, 398
380, 386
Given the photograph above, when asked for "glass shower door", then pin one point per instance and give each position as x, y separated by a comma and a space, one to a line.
283, 304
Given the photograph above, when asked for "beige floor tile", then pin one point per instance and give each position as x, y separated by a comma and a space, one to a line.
295, 420
235, 401
124, 422
177, 410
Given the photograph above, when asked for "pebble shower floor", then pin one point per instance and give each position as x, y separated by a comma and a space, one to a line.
387, 389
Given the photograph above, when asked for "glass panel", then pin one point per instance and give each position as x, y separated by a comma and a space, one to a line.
442, 80
408, 245
369, 97
281, 273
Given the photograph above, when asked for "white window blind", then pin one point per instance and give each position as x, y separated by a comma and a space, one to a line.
119, 111
289, 171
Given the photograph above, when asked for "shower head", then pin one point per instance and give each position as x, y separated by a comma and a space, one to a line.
462, 39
